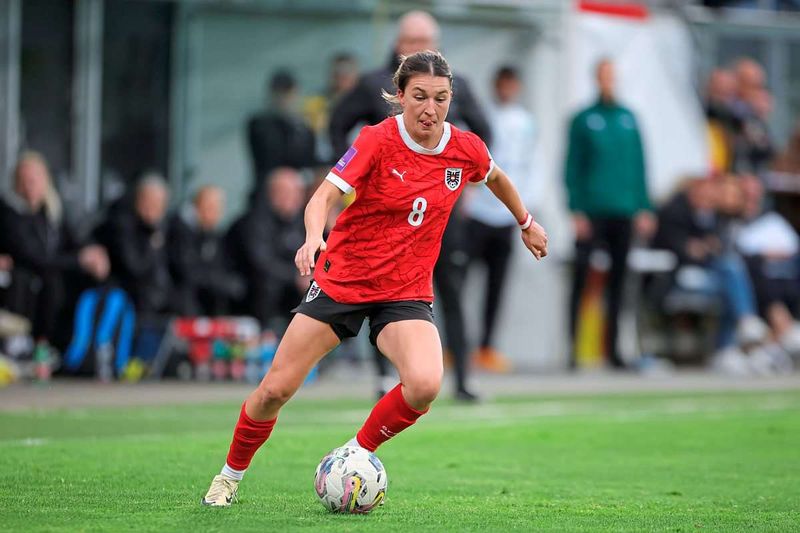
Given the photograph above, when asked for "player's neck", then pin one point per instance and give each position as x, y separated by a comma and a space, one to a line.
430, 140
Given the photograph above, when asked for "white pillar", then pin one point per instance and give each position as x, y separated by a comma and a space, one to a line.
10, 22
87, 100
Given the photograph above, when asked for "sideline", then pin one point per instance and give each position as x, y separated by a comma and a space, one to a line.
71, 393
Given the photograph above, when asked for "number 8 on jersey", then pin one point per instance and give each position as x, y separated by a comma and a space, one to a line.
417, 211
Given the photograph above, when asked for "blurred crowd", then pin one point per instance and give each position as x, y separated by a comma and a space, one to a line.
180, 263
731, 248
727, 231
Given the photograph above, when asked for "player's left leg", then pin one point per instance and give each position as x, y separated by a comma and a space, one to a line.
414, 347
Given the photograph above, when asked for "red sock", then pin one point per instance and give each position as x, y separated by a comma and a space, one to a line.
248, 437
390, 416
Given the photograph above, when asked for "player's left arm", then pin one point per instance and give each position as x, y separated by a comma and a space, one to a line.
533, 235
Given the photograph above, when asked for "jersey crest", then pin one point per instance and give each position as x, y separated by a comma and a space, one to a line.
313, 291
452, 178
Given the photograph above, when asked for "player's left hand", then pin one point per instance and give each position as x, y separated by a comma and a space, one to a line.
535, 239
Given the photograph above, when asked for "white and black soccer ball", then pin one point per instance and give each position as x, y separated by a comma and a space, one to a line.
350, 479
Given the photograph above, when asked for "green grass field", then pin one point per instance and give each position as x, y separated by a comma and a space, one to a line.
667, 462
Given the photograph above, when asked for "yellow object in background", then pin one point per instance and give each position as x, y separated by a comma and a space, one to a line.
719, 148
591, 333
134, 371
9, 372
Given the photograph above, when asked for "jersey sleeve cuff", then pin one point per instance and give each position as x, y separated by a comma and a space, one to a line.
340, 183
491, 168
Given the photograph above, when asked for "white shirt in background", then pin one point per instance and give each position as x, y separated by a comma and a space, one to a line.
768, 234
514, 150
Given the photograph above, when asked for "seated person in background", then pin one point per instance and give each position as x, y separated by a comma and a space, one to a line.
771, 249
203, 282
42, 249
136, 240
690, 225
263, 244
10, 324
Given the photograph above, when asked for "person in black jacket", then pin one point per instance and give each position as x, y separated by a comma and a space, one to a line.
279, 136
689, 226
42, 248
263, 244
136, 240
198, 260
418, 31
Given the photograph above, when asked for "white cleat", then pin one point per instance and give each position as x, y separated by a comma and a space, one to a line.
221, 493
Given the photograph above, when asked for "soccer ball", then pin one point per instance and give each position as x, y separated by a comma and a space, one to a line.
350, 479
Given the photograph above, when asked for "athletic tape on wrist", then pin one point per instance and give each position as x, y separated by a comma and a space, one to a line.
527, 223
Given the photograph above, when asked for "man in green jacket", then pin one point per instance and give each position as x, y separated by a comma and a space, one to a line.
605, 178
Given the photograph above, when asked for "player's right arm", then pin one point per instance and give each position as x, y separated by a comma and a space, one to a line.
325, 197
533, 235
346, 176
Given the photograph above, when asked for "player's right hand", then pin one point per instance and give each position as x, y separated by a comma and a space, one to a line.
535, 239
304, 259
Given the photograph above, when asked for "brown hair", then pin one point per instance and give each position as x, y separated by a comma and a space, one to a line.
427, 62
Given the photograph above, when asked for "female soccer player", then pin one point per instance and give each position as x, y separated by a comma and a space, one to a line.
408, 171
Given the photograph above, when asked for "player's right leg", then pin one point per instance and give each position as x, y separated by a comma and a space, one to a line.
305, 342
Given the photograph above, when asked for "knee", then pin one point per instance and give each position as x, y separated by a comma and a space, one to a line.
272, 394
421, 391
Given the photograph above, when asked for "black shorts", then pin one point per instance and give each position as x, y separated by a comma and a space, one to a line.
346, 319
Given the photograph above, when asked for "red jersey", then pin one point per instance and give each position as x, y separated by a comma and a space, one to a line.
383, 247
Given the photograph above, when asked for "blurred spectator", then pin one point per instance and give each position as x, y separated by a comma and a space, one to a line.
263, 243
720, 95
198, 262
11, 324
41, 248
750, 78
136, 239
787, 163
606, 185
492, 230
692, 226
279, 136
771, 249
783, 180
752, 145
418, 31
342, 78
